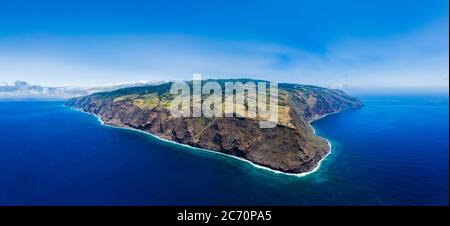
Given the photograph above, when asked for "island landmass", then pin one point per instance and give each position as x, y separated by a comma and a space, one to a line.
290, 147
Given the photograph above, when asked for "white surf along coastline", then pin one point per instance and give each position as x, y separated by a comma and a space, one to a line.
227, 155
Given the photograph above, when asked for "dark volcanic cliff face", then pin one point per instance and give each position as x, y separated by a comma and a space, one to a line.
289, 147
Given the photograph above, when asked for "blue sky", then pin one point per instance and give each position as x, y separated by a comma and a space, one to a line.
328, 43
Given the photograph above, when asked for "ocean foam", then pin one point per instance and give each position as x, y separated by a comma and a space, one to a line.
223, 154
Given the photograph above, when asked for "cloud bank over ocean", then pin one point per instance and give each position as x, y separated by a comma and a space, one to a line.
21, 89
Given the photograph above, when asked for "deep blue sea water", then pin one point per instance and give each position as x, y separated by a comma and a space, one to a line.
392, 151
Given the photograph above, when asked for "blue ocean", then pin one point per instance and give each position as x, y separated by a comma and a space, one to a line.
392, 151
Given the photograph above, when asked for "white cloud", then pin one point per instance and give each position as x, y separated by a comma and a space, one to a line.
21, 89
